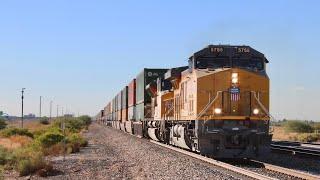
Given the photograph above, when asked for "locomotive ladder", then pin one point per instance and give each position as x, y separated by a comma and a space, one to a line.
205, 109
263, 108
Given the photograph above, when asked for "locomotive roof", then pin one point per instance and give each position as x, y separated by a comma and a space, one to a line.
228, 50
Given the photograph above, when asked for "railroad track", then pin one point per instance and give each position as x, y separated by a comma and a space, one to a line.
242, 171
297, 148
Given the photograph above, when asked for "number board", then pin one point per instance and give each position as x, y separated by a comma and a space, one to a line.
217, 49
243, 50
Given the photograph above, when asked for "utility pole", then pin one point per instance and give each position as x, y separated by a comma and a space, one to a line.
57, 110
62, 112
64, 139
50, 111
40, 107
22, 97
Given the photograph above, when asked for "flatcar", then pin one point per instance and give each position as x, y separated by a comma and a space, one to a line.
218, 105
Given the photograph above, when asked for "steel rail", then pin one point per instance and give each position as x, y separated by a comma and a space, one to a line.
296, 150
227, 166
289, 172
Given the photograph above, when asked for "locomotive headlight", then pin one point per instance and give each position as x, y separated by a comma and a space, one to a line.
234, 78
234, 75
256, 111
217, 111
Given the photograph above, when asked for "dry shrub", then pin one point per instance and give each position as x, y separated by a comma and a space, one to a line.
308, 137
77, 139
59, 149
22, 140
46, 171
56, 149
298, 127
6, 156
74, 147
8, 132
29, 161
49, 139
44, 121
35, 125
7, 143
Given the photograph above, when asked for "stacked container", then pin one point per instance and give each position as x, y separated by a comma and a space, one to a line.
105, 114
124, 107
119, 101
131, 100
113, 112
109, 113
131, 106
143, 99
100, 117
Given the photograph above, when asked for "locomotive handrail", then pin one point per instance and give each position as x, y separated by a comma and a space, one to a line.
262, 106
208, 106
169, 111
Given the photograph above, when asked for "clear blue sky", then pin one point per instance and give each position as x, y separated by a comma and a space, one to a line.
80, 53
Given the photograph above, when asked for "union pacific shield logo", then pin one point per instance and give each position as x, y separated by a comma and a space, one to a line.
235, 93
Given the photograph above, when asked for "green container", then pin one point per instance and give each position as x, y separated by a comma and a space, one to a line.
143, 99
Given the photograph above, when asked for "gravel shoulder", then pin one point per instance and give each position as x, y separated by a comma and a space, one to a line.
113, 154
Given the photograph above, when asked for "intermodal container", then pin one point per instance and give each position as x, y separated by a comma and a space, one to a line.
143, 99
113, 105
124, 115
105, 110
124, 98
124, 104
132, 93
101, 114
119, 101
131, 113
119, 117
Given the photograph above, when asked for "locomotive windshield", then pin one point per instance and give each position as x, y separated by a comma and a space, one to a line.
251, 64
215, 63
206, 62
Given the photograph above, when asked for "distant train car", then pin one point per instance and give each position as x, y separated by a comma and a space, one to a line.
131, 106
124, 108
218, 105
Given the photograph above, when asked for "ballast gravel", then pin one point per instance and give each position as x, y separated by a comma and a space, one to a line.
113, 154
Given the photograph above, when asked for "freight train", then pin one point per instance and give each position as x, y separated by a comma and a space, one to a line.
217, 106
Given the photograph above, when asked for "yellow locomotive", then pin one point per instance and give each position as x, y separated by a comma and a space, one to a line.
217, 106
